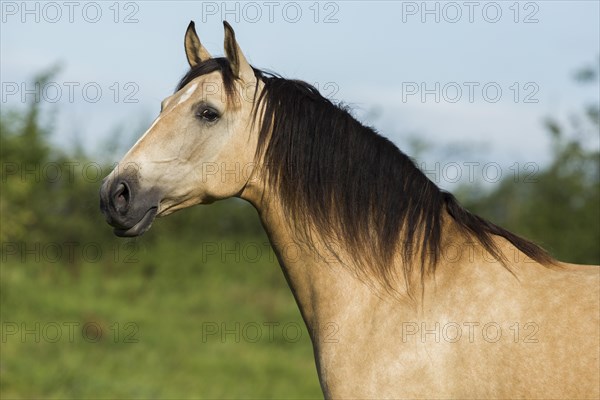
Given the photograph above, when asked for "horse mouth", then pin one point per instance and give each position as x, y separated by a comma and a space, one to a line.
140, 227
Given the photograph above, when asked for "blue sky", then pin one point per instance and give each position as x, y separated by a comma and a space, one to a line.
481, 74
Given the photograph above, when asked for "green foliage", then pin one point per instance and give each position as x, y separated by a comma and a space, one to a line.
153, 308
559, 206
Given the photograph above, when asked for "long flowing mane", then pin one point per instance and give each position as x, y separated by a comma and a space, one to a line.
349, 185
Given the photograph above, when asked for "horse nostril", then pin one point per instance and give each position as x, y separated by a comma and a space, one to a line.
121, 197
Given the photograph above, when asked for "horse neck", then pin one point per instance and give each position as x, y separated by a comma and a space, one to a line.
325, 287
322, 285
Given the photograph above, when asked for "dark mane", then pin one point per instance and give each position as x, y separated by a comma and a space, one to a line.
354, 187
213, 64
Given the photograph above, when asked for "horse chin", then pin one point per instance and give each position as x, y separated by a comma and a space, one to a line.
169, 207
140, 227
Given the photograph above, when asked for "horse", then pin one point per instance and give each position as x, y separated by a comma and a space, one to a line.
404, 292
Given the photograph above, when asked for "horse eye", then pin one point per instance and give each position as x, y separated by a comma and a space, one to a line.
208, 114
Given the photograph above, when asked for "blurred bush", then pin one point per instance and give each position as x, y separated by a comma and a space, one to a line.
559, 205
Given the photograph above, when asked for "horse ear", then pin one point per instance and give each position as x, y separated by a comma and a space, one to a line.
240, 67
194, 50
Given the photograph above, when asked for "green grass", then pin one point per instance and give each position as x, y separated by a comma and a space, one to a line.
169, 296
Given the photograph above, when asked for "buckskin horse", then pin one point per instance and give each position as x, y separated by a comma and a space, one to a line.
427, 300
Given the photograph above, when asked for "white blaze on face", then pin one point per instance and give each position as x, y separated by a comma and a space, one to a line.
142, 137
187, 94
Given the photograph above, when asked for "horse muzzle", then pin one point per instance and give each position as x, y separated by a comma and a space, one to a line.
126, 207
